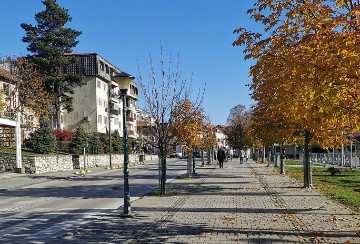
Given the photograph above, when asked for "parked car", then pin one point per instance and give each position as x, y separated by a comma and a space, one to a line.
196, 154
175, 155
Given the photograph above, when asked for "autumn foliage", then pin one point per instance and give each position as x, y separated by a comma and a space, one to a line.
63, 135
306, 76
32, 93
188, 123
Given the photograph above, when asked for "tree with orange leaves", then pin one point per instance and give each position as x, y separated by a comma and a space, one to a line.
187, 126
28, 87
307, 68
188, 122
32, 94
208, 140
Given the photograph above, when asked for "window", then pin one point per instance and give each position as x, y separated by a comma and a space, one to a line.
99, 102
61, 119
102, 65
99, 119
107, 68
14, 100
99, 84
6, 88
105, 120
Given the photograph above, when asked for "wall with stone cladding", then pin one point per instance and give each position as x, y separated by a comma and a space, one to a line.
52, 164
44, 164
7, 162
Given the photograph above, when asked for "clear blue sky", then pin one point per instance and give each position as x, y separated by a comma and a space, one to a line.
127, 32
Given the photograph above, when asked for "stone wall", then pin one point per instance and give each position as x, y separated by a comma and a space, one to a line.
44, 164
7, 162
52, 164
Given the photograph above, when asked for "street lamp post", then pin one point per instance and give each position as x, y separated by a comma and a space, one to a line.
123, 80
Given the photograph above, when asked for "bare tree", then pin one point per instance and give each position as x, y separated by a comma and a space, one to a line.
162, 93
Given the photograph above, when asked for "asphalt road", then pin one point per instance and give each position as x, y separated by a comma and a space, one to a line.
39, 208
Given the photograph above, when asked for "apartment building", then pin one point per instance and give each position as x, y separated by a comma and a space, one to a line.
97, 102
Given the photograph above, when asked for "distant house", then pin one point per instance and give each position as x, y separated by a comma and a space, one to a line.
221, 138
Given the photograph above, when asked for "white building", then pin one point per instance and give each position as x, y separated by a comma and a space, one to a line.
221, 138
98, 100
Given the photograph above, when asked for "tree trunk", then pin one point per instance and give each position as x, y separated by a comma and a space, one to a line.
209, 158
162, 190
282, 157
269, 157
263, 156
307, 165
189, 163
202, 158
57, 106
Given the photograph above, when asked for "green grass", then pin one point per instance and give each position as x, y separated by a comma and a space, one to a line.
293, 162
343, 187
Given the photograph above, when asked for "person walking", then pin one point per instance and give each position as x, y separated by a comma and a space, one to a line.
221, 157
241, 155
231, 154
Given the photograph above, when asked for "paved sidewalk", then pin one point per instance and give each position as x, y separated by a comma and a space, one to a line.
248, 203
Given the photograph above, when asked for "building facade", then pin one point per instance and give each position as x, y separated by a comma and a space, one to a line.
97, 106
9, 106
221, 138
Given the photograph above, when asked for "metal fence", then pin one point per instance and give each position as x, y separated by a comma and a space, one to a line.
335, 159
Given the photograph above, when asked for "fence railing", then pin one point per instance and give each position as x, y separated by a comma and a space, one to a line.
352, 161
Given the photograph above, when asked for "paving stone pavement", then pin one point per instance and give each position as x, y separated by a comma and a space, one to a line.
240, 203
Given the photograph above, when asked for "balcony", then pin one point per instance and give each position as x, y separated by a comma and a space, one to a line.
113, 111
129, 119
134, 95
114, 98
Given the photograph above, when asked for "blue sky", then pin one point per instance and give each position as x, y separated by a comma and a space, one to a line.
126, 33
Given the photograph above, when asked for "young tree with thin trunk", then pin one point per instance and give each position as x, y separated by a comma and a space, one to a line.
208, 140
162, 93
48, 41
187, 126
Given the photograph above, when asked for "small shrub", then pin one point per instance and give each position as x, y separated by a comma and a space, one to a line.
333, 171
79, 139
63, 135
43, 139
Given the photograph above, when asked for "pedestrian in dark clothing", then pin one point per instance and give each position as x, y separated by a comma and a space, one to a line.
221, 157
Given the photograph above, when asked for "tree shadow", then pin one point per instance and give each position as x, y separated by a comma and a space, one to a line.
144, 228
